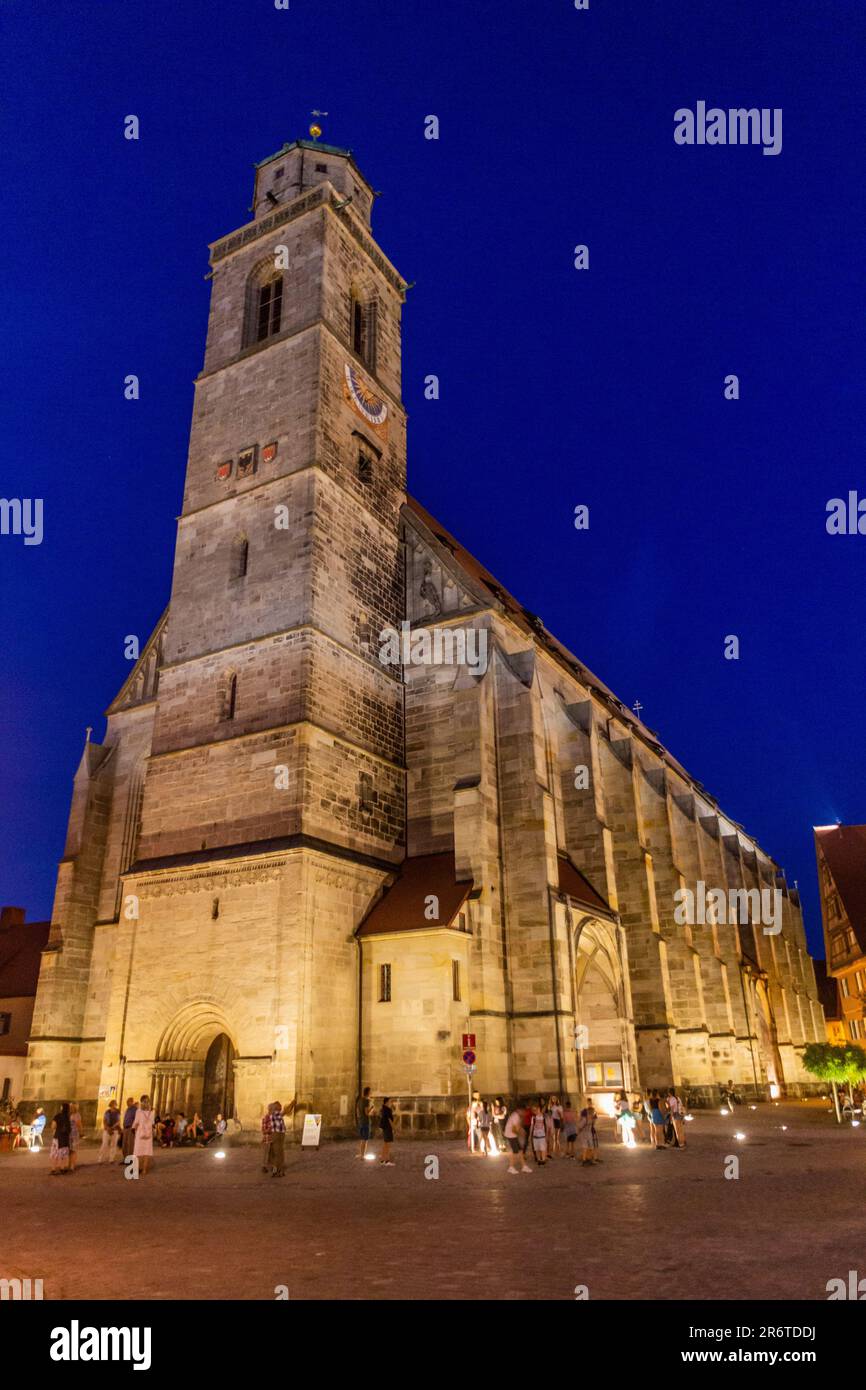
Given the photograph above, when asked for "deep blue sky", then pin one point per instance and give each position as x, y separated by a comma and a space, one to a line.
557, 387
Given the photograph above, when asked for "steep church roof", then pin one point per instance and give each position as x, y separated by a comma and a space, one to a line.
482, 581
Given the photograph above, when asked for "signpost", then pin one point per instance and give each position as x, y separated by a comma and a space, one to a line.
312, 1131
469, 1066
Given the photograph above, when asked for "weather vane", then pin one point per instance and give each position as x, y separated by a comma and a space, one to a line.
637, 707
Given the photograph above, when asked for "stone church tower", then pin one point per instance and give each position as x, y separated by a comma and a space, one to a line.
295, 866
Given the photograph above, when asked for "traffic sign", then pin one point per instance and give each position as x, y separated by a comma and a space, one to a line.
468, 1057
468, 1042
469, 1068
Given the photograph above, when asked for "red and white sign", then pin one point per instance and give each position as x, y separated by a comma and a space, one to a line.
468, 1041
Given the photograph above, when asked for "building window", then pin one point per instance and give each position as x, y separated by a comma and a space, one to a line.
7, 1087
859, 978
365, 465
384, 984
455, 980
854, 1025
845, 988
321, 168
239, 558
278, 173
270, 309
5, 1023
363, 326
228, 694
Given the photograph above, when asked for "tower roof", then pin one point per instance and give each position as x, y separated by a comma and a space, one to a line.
304, 145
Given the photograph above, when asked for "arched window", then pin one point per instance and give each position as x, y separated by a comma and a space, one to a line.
239, 557
362, 329
264, 309
227, 700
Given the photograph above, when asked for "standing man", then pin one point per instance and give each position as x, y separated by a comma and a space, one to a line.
128, 1131
110, 1130
267, 1131
364, 1111
276, 1148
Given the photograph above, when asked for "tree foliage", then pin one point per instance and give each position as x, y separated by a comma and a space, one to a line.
835, 1062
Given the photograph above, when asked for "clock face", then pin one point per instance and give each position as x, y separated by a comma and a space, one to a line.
371, 408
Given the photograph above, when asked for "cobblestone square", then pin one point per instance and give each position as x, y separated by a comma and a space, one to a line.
665, 1225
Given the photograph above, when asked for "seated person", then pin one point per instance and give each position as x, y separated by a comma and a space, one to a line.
181, 1125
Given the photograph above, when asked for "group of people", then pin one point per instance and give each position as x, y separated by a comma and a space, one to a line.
547, 1128
133, 1133
552, 1127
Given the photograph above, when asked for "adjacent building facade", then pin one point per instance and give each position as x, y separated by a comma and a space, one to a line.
21, 946
354, 801
841, 853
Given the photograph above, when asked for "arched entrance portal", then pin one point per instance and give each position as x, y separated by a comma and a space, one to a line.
218, 1091
194, 1067
604, 1054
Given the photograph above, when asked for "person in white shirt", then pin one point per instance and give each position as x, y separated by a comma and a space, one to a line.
675, 1110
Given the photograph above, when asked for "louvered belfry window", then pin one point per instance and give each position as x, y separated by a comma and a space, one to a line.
364, 331
270, 309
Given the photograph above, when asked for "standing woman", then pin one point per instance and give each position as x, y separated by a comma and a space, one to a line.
639, 1116
569, 1127
75, 1128
675, 1107
61, 1127
538, 1135
386, 1124
500, 1115
485, 1122
143, 1126
556, 1116
658, 1121
587, 1135
128, 1132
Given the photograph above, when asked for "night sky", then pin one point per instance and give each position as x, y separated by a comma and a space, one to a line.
558, 386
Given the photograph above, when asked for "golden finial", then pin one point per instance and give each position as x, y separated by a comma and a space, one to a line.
315, 131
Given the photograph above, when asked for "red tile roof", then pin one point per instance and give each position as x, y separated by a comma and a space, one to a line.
21, 948
401, 908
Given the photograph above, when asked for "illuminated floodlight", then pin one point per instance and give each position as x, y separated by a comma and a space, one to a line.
753, 1107
371, 1158
784, 1127
219, 1154
739, 1134
855, 1124
724, 1111
774, 1090
688, 1118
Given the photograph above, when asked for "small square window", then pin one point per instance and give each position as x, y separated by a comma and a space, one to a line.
278, 173
321, 168
5, 1023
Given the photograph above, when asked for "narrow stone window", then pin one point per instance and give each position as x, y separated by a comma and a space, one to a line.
367, 796
269, 309
365, 466
228, 697
455, 980
239, 558
384, 984
215, 909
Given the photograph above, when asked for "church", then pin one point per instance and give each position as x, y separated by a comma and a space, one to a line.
298, 863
